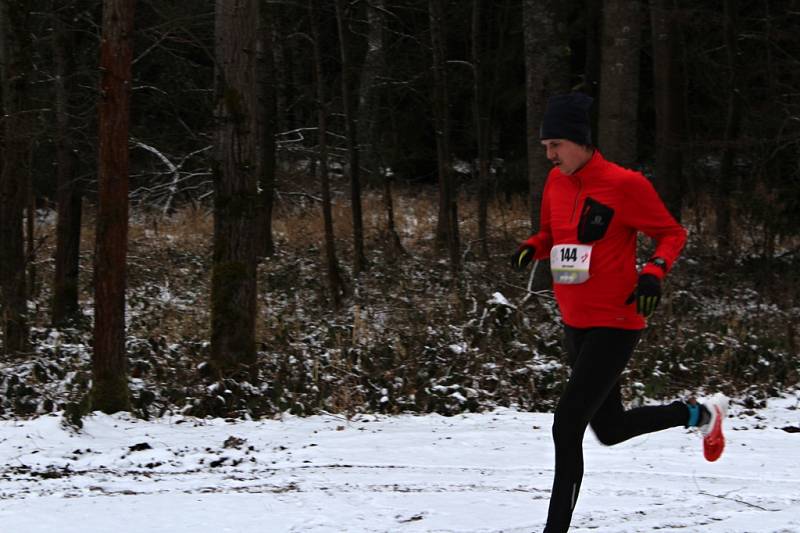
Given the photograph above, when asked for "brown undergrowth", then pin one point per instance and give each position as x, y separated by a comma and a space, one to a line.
410, 337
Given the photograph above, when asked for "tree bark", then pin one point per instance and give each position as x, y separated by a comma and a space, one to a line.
591, 25
359, 259
369, 95
335, 282
669, 94
69, 191
369, 113
481, 116
727, 184
233, 278
447, 227
546, 64
30, 242
619, 81
109, 361
268, 117
15, 36
276, 18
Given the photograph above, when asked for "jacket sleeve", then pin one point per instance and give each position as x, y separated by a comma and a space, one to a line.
543, 240
645, 212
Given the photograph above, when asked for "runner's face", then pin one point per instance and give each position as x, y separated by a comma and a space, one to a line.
568, 156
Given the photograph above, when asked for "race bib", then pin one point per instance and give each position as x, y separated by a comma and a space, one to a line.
569, 263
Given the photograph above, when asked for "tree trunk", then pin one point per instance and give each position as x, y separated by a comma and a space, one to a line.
109, 361
30, 242
369, 95
268, 117
619, 81
15, 36
280, 83
395, 247
68, 193
727, 185
546, 64
591, 30
335, 282
369, 113
447, 228
480, 110
359, 259
233, 279
670, 104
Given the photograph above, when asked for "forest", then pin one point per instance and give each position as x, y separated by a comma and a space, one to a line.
240, 208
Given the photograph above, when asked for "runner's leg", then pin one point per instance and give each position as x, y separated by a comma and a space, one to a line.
597, 356
613, 424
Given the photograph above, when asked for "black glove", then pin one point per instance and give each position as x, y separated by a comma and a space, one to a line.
647, 294
522, 257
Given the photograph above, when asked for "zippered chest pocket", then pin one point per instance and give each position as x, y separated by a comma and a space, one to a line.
594, 221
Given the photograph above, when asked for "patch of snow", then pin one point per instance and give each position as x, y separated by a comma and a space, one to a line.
467, 473
498, 299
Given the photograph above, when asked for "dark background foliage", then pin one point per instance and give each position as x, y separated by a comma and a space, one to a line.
172, 100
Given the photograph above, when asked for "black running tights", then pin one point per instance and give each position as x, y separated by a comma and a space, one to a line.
592, 397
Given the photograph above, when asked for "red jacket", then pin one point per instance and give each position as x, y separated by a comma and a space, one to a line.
605, 206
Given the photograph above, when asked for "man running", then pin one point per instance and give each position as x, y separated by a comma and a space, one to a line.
591, 213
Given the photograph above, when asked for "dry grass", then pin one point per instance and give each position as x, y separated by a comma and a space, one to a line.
415, 212
171, 255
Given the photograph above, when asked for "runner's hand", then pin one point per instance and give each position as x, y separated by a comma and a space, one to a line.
647, 294
522, 257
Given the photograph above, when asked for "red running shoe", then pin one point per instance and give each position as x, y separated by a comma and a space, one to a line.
713, 439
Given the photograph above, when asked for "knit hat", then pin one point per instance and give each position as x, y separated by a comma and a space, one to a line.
567, 117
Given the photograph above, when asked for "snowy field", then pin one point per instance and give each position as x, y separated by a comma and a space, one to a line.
473, 473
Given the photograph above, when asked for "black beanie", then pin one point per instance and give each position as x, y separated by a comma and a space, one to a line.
567, 117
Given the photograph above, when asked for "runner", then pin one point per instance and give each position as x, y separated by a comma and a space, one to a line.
591, 213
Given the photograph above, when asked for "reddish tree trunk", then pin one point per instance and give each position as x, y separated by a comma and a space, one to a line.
109, 361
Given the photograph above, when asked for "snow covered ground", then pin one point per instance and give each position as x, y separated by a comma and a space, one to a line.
486, 472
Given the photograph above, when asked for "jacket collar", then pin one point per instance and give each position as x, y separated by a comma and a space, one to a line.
592, 165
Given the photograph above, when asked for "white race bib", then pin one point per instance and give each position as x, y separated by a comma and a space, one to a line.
569, 263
